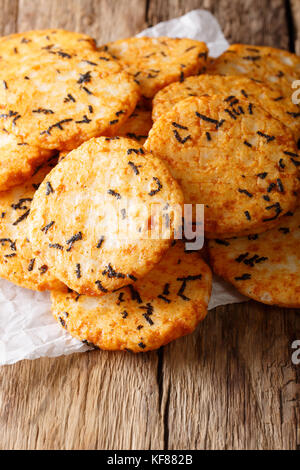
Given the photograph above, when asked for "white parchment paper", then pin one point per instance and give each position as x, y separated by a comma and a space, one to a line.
27, 328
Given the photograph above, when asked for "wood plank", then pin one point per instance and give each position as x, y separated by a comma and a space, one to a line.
248, 21
104, 20
8, 17
295, 20
94, 400
232, 384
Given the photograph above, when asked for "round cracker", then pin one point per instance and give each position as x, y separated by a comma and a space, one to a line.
264, 267
98, 201
18, 160
58, 99
231, 87
18, 264
137, 126
276, 67
166, 304
237, 160
156, 62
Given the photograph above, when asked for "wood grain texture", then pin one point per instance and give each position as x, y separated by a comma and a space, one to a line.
235, 375
247, 21
231, 385
105, 20
95, 400
8, 17
294, 19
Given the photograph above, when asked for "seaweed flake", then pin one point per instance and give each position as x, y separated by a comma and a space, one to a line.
49, 189
278, 211
166, 290
78, 271
90, 63
23, 217
135, 294
43, 111
179, 138
294, 115
31, 265
280, 185
179, 126
271, 187
207, 118
253, 237
247, 143
230, 113
20, 203
135, 167
43, 269
114, 193
85, 120
47, 227
241, 257
244, 277
59, 125
62, 322
290, 154
253, 58
268, 138
162, 297
295, 162
111, 273
184, 281
57, 246
222, 242
262, 175
159, 187
244, 191
87, 90
136, 151
69, 98
100, 287
100, 242
84, 78
72, 240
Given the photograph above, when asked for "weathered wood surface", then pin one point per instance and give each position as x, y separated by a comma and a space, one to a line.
231, 385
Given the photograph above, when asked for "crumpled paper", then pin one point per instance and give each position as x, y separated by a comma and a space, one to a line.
27, 328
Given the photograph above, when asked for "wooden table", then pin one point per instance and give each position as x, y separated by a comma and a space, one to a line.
230, 385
